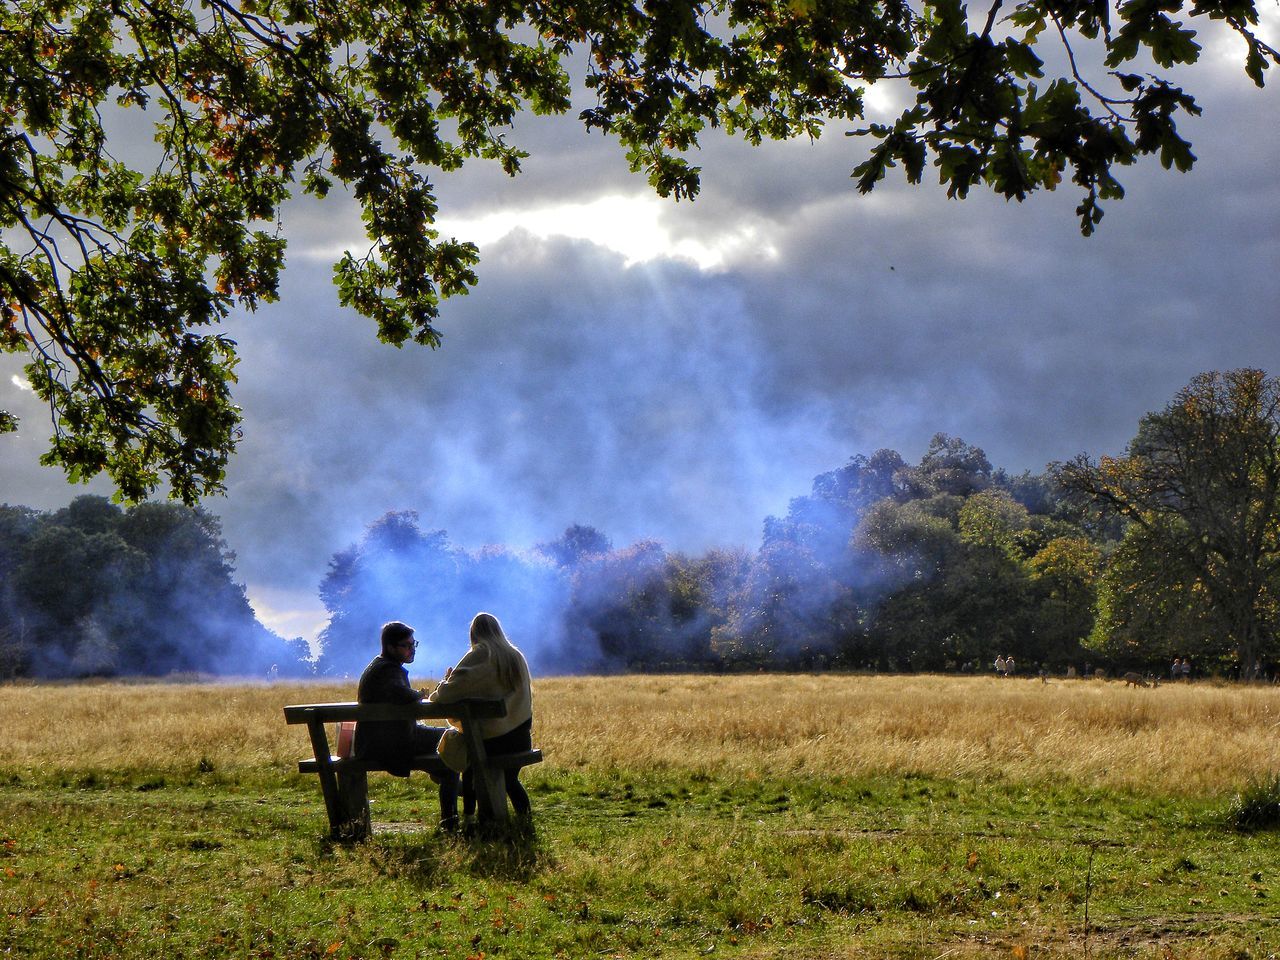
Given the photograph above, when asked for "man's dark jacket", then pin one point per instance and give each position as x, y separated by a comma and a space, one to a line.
389, 741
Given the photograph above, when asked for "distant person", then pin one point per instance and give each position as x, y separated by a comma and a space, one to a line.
496, 670
999, 665
1186, 669
395, 742
1010, 668
1175, 669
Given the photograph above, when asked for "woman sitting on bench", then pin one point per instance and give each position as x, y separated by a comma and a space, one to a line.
493, 668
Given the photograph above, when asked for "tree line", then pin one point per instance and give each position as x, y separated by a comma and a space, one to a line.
884, 565
1170, 550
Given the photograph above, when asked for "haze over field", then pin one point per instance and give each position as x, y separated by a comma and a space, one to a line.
681, 371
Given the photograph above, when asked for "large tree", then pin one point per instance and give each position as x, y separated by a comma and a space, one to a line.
1202, 482
94, 589
118, 262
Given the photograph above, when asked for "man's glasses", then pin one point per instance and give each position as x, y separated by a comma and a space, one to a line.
408, 643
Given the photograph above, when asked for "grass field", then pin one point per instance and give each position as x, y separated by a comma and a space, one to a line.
677, 816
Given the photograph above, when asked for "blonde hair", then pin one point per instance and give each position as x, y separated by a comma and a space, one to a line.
508, 662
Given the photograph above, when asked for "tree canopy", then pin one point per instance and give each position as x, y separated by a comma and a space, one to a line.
942, 564
1200, 488
119, 260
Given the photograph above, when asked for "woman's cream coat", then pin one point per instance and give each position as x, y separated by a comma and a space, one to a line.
475, 676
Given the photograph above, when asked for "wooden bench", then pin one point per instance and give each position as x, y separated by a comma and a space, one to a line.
344, 779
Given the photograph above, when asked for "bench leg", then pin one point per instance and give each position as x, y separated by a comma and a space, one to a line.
328, 781
491, 794
352, 822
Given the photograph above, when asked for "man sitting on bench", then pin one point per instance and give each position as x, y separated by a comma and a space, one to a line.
395, 743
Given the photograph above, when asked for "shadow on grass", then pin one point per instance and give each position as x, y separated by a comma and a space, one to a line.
428, 857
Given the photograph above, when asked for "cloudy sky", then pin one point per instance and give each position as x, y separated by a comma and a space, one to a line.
680, 371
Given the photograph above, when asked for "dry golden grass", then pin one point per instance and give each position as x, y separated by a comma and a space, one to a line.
1181, 739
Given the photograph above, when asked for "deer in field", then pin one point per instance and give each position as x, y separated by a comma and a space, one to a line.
1132, 679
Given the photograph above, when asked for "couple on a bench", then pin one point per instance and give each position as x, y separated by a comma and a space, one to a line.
492, 669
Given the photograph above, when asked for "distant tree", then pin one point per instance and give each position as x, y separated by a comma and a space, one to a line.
115, 274
17, 526
994, 520
95, 590
798, 605
16, 653
1149, 612
396, 571
90, 515
528, 594
74, 585
963, 579
1064, 577
824, 521
1036, 491
192, 613
1202, 481
702, 591
619, 608
913, 544
915, 539
790, 613
949, 466
955, 589
575, 545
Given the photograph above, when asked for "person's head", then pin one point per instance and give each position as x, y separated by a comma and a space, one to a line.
485, 629
487, 632
397, 641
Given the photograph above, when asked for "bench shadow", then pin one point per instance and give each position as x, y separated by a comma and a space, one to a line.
427, 857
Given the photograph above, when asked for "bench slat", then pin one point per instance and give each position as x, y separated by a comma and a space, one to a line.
514, 761
428, 762
431, 764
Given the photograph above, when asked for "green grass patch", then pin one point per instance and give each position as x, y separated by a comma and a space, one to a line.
1256, 807
625, 863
